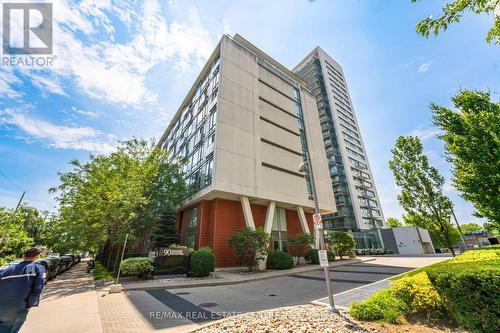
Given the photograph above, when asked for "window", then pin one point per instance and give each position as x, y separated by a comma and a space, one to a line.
192, 226
278, 232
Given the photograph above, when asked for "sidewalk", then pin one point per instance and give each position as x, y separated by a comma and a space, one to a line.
68, 304
228, 277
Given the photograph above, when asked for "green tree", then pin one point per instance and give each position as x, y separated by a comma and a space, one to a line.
300, 244
453, 11
393, 222
165, 231
111, 195
419, 220
491, 227
470, 227
472, 144
341, 241
250, 245
421, 186
14, 239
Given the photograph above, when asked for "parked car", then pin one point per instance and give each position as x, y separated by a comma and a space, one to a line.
54, 254
67, 261
9, 264
59, 266
51, 267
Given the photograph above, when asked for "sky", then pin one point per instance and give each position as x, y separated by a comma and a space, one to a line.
122, 69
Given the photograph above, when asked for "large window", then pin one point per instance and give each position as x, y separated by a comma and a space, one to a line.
192, 136
279, 233
192, 226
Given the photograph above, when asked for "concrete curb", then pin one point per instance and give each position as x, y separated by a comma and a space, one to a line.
225, 282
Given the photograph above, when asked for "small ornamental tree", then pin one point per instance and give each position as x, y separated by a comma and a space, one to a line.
341, 241
300, 244
165, 232
250, 246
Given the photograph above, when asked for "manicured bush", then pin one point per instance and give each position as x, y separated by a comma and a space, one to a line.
202, 262
382, 305
279, 260
140, 267
331, 256
471, 292
418, 294
467, 287
312, 256
250, 246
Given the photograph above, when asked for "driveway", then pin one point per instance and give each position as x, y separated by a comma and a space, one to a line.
182, 309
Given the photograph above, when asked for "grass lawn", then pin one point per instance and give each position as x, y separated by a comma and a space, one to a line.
100, 273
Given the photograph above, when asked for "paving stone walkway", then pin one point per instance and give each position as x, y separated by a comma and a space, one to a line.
68, 304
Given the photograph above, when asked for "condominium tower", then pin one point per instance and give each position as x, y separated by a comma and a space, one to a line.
244, 128
358, 204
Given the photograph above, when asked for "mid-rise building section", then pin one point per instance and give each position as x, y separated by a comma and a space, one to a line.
358, 204
243, 130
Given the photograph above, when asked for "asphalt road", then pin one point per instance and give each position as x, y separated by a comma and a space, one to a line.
178, 307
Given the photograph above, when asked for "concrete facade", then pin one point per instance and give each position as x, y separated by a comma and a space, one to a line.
244, 128
408, 240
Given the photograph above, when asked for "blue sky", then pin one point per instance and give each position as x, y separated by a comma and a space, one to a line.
122, 69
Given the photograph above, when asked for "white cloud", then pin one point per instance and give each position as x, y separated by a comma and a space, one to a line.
90, 114
425, 133
56, 136
424, 67
88, 54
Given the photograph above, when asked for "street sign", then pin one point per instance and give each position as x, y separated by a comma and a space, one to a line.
323, 258
318, 224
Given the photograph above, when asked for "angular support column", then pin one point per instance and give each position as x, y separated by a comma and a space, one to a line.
303, 220
247, 212
268, 226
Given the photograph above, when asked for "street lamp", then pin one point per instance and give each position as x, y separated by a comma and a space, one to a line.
303, 167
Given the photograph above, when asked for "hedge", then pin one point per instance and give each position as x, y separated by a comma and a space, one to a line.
279, 260
202, 262
467, 287
139, 266
471, 292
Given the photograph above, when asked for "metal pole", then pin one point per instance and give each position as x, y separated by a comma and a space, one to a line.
321, 239
459, 229
121, 259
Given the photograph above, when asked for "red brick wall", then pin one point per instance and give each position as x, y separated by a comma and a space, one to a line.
229, 219
259, 215
219, 219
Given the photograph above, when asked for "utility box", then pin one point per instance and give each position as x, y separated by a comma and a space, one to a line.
172, 261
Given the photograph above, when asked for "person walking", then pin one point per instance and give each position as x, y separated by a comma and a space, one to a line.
20, 289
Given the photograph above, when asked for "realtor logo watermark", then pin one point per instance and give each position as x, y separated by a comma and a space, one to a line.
27, 35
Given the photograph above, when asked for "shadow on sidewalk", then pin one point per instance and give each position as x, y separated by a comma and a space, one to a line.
73, 281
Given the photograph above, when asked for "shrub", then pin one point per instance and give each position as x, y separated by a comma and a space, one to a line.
382, 305
331, 256
418, 294
299, 244
312, 256
372, 252
471, 292
140, 267
202, 262
279, 260
341, 241
250, 245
